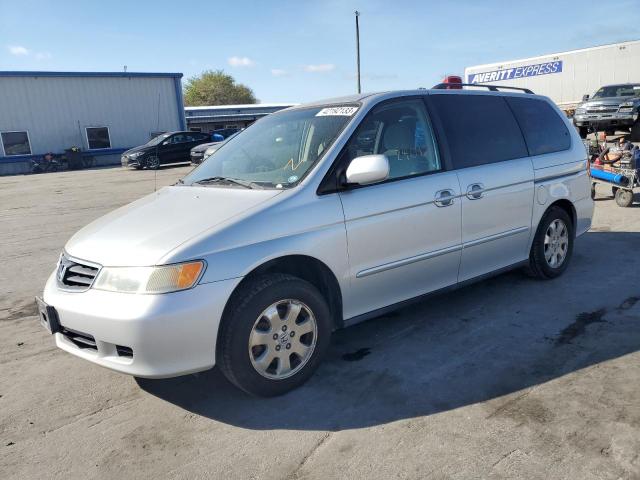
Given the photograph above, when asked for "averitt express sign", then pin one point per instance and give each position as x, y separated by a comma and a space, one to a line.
516, 72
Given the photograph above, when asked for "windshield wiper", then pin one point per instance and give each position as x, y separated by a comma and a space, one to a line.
235, 181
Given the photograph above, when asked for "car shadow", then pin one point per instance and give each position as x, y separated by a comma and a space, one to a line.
465, 347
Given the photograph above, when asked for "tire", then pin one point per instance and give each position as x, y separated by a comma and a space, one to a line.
539, 264
614, 190
624, 198
583, 132
153, 163
593, 191
247, 318
635, 132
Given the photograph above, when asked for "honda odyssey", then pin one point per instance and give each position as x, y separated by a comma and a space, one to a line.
315, 218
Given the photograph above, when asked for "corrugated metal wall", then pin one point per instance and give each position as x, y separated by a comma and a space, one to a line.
56, 110
583, 71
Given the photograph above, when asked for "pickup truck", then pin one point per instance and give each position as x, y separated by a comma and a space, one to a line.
612, 108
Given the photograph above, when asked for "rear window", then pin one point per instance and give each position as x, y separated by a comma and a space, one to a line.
480, 129
543, 129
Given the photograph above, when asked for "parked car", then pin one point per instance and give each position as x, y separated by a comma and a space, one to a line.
197, 152
612, 107
302, 224
204, 151
172, 147
226, 132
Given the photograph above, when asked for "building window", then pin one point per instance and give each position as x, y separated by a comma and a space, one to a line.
16, 143
195, 129
98, 137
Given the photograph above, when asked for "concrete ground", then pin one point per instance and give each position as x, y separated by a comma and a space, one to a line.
509, 378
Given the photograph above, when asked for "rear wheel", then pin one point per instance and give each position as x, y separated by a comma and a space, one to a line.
614, 190
624, 198
552, 246
274, 334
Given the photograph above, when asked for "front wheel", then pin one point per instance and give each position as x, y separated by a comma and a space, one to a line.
583, 132
635, 132
153, 162
274, 334
552, 246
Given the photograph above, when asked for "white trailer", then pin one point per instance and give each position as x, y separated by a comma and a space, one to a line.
565, 77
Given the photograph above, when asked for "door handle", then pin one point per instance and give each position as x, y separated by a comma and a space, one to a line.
444, 198
475, 191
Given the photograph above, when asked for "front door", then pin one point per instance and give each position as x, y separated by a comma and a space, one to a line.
404, 234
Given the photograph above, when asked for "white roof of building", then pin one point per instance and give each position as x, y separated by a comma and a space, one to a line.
541, 57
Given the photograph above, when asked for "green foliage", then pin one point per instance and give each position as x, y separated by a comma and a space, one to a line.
216, 88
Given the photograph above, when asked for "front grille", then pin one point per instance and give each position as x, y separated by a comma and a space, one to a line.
75, 274
79, 339
605, 109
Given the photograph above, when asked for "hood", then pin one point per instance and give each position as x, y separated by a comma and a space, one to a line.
141, 148
608, 101
146, 230
202, 147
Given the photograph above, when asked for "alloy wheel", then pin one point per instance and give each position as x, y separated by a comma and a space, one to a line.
282, 339
556, 243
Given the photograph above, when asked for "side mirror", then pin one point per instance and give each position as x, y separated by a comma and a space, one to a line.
585, 98
368, 169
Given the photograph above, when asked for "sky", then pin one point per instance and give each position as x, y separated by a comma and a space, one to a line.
298, 51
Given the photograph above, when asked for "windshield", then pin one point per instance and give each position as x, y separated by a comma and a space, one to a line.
618, 91
278, 149
157, 140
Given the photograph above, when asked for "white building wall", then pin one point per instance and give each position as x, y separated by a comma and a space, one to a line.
583, 71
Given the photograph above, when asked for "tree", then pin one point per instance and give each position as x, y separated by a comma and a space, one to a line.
216, 88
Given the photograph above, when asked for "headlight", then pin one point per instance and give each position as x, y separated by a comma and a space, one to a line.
626, 104
135, 154
625, 109
580, 111
163, 279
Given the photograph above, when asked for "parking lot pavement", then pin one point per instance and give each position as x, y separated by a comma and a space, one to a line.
509, 378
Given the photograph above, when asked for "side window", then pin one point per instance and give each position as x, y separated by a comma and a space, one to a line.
544, 131
15, 143
98, 137
480, 129
400, 130
179, 138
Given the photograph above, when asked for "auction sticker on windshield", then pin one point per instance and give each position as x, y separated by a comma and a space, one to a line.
341, 111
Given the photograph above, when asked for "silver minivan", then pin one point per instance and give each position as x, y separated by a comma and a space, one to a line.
315, 218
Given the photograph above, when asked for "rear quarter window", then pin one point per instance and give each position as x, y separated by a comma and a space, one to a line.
543, 129
480, 129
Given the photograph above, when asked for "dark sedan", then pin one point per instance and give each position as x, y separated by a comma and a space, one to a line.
171, 147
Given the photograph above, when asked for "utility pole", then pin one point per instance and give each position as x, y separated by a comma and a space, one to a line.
358, 49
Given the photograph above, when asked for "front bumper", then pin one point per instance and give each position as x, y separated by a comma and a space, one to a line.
605, 121
126, 161
196, 157
169, 335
